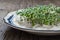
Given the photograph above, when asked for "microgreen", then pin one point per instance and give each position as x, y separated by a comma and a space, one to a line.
42, 14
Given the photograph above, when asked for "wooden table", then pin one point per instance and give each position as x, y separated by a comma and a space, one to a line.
8, 33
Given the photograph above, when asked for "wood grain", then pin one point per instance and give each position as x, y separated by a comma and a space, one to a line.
8, 33
14, 34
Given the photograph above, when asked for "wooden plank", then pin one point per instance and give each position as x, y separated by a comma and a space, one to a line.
14, 34
3, 26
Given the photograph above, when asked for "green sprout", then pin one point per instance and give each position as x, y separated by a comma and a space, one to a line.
43, 14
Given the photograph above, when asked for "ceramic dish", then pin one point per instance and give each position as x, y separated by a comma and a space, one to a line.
8, 20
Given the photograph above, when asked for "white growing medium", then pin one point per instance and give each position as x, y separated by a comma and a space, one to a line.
25, 24
22, 24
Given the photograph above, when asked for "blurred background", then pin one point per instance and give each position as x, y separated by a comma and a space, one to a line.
19, 4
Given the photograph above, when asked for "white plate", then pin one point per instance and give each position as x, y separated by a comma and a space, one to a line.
8, 19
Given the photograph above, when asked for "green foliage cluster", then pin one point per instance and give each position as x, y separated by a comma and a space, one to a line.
42, 14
